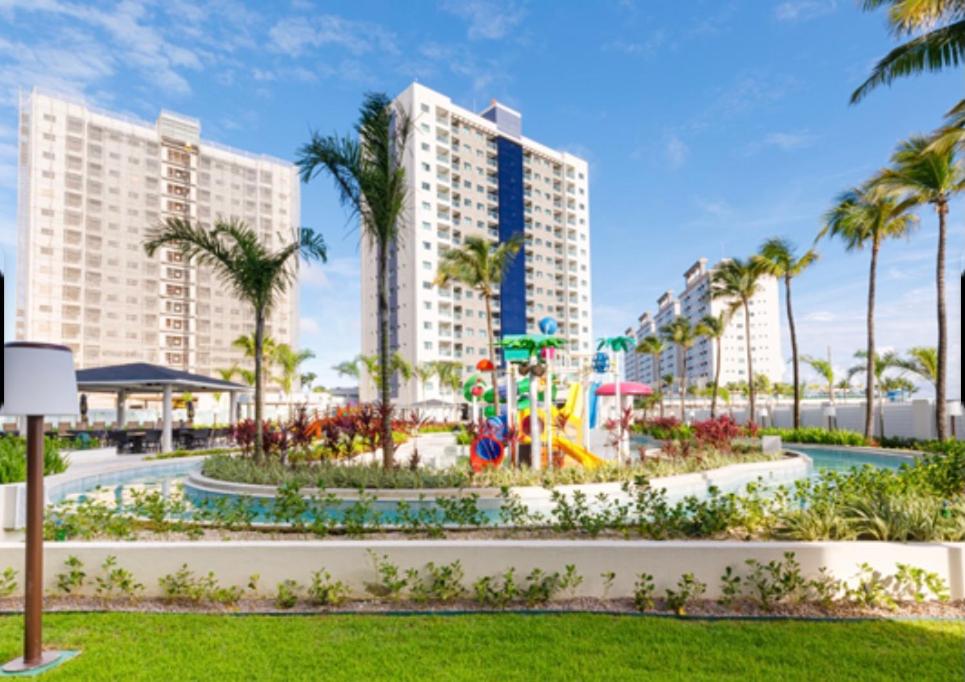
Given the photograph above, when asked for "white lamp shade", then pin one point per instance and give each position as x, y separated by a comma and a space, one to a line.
38, 380
954, 408
830, 411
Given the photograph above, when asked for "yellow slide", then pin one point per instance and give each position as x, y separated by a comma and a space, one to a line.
580, 454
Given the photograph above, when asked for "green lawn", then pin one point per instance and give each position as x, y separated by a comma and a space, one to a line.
491, 647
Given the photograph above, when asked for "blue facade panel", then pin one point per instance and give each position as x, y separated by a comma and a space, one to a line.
512, 291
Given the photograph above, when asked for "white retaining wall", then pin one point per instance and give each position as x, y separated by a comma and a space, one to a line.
915, 419
348, 560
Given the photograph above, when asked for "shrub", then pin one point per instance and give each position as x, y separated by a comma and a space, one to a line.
496, 591
643, 591
440, 583
775, 581
72, 580
183, 585
688, 589
323, 591
286, 595
392, 581
8, 582
817, 436
13, 458
117, 581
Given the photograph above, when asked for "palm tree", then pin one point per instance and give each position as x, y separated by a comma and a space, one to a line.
940, 43
736, 281
881, 364
844, 385
862, 216
926, 175
226, 374
714, 327
254, 270
288, 360
923, 361
370, 178
480, 265
348, 368
654, 346
449, 374
307, 379
397, 365
683, 335
824, 369
779, 260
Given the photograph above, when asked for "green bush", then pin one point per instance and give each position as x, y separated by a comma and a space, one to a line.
817, 436
13, 458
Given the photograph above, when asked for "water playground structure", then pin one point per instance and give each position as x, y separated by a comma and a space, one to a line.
528, 415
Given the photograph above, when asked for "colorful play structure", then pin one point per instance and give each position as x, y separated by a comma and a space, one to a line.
528, 414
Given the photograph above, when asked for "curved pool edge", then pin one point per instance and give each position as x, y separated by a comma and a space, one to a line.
786, 468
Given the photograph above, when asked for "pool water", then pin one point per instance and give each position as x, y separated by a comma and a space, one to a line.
119, 490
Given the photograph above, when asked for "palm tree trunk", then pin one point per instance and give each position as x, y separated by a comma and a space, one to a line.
940, 409
259, 407
656, 379
713, 395
794, 359
869, 409
683, 381
388, 446
492, 351
750, 361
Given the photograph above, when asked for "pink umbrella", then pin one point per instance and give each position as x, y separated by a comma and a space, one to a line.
626, 388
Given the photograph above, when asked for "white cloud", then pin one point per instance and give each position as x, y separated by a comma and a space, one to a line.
676, 151
647, 47
804, 10
787, 141
294, 35
819, 316
488, 19
336, 271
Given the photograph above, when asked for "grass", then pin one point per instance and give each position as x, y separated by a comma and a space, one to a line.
491, 647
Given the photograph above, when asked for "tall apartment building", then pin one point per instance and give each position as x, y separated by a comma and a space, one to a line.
694, 302
91, 186
477, 175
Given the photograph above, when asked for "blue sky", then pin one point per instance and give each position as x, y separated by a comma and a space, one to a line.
709, 125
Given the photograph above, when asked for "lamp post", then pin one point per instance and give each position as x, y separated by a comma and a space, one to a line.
831, 413
954, 412
38, 380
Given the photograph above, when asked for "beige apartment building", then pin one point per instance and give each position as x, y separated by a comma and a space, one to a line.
695, 302
91, 186
468, 175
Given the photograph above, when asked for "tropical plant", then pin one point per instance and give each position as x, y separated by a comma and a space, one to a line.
481, 265
939, 42
867, 216
683, 335
714, 327
448, 372
225, 374
780, 260
737, 281
923, 361
288, 361
348, 368
825, 370
925, 175
397, 365
370, 178
880, 365
254, 270
654, 346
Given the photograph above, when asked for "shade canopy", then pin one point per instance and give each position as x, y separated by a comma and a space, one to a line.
38, 380
626, 388
142, 377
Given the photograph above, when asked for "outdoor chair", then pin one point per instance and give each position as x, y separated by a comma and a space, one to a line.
152, 440
119, 440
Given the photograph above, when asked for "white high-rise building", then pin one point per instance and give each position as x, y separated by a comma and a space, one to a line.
92, 184
695, 302
477, 175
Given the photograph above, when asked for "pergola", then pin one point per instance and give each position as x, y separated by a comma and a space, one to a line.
142, 377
